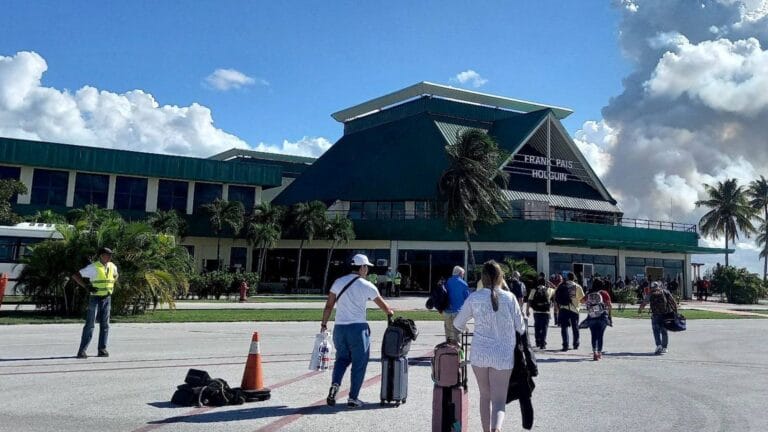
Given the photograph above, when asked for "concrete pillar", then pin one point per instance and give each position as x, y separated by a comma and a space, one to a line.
191, 198
225, 192
393, 253
257, 195
153, 186
25, 176
71, 189
410, 209
621, 263
111, 192
687, 286
542, 258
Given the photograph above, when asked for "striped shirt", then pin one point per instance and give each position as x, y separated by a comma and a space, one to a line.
494, 338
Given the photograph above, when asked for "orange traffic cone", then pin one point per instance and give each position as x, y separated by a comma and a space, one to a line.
253, 381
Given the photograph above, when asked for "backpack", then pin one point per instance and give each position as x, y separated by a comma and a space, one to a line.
595, 304
517, 288
659, 303
438, 298
540, 302
565, 293
199, 389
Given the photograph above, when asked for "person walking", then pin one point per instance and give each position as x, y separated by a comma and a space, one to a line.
662, 303
102, 275
518, 288
458, 291
498, 321
351, 333
568, 297
540, 300
599, 315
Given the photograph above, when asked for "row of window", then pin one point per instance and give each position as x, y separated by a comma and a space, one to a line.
391, 210
49, 188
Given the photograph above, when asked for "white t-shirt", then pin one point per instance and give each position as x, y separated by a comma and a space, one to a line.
350, 308
89, 271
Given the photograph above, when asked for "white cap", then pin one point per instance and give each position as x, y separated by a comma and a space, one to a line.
361, 260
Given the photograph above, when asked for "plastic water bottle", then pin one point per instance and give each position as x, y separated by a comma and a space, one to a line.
325, 356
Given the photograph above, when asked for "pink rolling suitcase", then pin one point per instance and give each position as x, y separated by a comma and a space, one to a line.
450, 401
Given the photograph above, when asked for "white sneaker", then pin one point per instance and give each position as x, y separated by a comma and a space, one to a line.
354, 403
659, 350
664, 351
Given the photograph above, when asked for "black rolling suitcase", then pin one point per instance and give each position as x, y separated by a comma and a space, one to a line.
394, 364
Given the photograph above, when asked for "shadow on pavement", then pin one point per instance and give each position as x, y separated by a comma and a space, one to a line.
629, 354
558, 360
162, 405
260, 412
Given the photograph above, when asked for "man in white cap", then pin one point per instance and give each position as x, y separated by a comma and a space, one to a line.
351, 333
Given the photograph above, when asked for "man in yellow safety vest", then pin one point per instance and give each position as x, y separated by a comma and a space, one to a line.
102, 275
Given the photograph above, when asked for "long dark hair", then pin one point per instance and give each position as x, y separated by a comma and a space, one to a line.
492, 277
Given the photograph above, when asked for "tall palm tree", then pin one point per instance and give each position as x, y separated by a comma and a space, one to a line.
729, 212
758, 192
167, 222
263, 230
762, 240
308, 220
472, 185
224, 214
338, 231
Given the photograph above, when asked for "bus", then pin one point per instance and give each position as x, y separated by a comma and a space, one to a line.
14, 244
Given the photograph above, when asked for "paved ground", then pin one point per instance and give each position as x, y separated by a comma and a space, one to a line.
713, 379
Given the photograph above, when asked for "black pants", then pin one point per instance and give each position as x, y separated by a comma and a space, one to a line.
540, 324
569, 318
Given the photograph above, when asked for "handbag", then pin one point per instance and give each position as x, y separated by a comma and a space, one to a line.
674, 322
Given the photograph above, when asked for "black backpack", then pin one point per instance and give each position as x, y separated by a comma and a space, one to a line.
540, 302
517, 288
199, 389
565, 293
438, 298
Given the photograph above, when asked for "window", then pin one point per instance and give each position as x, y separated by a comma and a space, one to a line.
190, 250
244, 194
91, 189
237, 258
370, 209
130, 193
424, 209
398, 210
8, 172
12, 249
383, 210
49, 187
355, 210
172, 195
206, 193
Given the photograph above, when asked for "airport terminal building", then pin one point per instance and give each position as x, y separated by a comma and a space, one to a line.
382, 174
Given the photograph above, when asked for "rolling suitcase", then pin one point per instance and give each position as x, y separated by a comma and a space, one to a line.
450, 398
394, 380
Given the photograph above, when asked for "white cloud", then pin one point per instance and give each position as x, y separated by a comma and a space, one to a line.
596, 140
132, 120
228, 79
724, 75
470, 77
307, 146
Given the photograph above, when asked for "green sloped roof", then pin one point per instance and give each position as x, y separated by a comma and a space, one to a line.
511, 132
102, 160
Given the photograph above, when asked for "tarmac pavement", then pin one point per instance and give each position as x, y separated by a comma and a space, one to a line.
713, 379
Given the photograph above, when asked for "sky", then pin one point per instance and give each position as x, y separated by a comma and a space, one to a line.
668, 95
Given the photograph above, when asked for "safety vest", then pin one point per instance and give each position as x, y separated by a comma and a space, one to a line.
373, 278
104, 282
398, 278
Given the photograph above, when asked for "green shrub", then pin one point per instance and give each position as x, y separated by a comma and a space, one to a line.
624, 297
738, 285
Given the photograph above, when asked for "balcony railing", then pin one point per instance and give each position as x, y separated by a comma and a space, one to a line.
552, 215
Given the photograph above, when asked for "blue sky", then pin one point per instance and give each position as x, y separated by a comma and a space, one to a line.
319, 57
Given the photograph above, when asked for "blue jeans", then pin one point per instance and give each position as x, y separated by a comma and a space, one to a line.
540, 325
659, 331
565, 319
353, 346
597, 328
97, 307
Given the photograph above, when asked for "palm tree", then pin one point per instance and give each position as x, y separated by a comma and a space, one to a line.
224, 214
762, 240
308, 220
47, 216
91, 217
758, 192
263, 230
472, 185
729, 212
338, 231
167, 222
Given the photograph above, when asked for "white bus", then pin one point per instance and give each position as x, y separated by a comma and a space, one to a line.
14, 241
